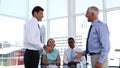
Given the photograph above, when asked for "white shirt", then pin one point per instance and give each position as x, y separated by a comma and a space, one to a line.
32, 35
67, 57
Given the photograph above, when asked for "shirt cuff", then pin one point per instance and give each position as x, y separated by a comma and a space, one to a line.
83, 53
101, 60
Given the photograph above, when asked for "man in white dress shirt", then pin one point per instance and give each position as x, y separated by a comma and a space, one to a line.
70, 53
32, 42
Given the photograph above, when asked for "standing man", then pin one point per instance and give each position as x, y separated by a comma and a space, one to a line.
98, 44
32, 42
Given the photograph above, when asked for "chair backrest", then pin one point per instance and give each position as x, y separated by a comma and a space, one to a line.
41, 60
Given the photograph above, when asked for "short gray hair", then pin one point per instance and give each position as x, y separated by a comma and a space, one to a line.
94, 9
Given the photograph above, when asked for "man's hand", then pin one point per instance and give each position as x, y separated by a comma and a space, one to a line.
79, 55
47, 48
98, 65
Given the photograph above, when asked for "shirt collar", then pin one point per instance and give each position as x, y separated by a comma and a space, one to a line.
94, 22
71, 48
35, 19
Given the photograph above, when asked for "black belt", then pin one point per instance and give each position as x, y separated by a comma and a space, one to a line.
32, 50
93, 53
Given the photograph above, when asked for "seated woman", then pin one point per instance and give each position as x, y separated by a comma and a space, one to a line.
53, 57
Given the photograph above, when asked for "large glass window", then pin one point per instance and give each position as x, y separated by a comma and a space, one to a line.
17, 8
11, 30
82, 5
59, 27
113, 23
82, 24
11, 40
112, 3
57, 8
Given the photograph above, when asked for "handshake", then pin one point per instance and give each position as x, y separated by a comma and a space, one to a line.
78, 55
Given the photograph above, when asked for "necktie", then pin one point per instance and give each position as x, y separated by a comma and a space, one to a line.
72, 55
38, 26
87, 42
40, 35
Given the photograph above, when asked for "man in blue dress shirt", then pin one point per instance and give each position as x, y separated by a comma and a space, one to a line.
98, 44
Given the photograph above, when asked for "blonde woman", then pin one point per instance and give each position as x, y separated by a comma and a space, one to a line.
52, 57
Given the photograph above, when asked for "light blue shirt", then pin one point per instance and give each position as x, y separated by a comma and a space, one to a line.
98, 41
51, 57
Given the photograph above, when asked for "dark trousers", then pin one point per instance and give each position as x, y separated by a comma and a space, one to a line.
31, 58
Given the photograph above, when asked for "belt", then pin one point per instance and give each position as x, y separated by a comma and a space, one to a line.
93, 53
32, 50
